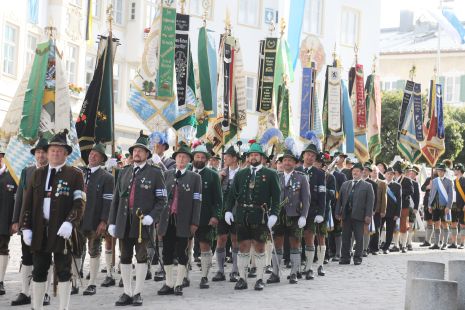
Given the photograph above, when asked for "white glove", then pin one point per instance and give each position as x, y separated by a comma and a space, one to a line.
229, 218
319, 219
27, 237
111, 230
147, 220
65, 230
272, 219
111, 162
156, 159
302, 221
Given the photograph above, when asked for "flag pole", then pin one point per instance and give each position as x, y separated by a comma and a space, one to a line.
438, 52
110, 41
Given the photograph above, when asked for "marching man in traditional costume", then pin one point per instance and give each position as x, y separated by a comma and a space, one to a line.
295, 199
180, 220
255, 196
407, 204
231, 161
53, 206
7, 203
98, 185
40, 156
440, 201
393, 207
316, 224
138, 200
211, 209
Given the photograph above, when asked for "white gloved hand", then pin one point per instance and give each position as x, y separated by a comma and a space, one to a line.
27, 237
147, 220
272, 219
302, 221
65, 230
319, 219
229, 218
156, 159
111, 162
112, 230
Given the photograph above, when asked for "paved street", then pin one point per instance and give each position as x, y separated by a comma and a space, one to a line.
377, 284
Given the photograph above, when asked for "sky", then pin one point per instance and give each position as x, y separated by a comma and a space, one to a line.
390, 9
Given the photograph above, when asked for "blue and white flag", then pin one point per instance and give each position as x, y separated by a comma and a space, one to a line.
450, 23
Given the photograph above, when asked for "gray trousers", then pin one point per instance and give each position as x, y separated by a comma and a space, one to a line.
350, 227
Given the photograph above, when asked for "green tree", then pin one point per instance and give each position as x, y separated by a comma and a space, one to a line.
390, 110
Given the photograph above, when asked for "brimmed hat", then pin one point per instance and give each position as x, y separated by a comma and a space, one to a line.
459, 167
357, 166
414, 169
341, 154
389, 170
99, 147
398, 167
256, 148
142, 142
368, 165
201, 148
349, 160
441, 166
183, 149
232, 151
41, 144
383, 164
60, 139
310, 148
288, 154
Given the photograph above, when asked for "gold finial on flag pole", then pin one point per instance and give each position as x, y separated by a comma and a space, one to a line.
373, 67
412, 72
183, 4
356, 52
227, 22
283, 25
110, 17
309, 55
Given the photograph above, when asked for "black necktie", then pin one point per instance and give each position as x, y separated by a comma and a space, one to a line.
136, 169
52, 176
253, 173
196, 170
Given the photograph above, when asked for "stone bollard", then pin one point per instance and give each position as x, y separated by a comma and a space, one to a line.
457, 273
421, 269
433, 294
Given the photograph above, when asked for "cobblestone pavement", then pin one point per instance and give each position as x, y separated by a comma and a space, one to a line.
378, 283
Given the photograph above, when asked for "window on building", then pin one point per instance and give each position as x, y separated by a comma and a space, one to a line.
249, 12
118, 11
313, 17
350, 23
250, 83
10, 43
96, 8
31, 48
196, 8
75, 2
72, 57
90, 68
150, 11
452, 89
33, 11
116, 77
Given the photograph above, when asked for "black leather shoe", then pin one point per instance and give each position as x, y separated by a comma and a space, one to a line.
357, 260
241, 285
197, 260
148, 275
88, 276
394, 249
269, 269
434, 247
166, 290
21, 299
452, 246
385, 251
444, 246
186, 282
365, 253
403, 250
178, 290
336, 259
234, 277
425, 244
273, 279
293, 279
90, 290
74, 290
374, 253
409, 247
109, 281
252, 272
2, 288
321, 271
159, 275
137, 300
259, 285
46, 300
204, 283
103, 270
124, 300
309, 275
299, 275
219, 276
120, 284
344, 262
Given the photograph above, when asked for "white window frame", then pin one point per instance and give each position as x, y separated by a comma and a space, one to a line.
77, 3
258, 13
31, 50
196, 9
13, 45
344, 35
90, 68
451, 88
72, 60
308, 22
116, 11
151, 7
252, 96
96, 9
116, 83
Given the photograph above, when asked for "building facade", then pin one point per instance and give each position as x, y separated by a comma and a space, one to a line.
340, 23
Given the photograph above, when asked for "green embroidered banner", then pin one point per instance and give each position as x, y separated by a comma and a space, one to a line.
165, 78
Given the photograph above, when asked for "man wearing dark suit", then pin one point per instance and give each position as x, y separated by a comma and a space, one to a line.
379, 210
393, 207
407, 192
335, 236
367, 171
412, 173
355, 208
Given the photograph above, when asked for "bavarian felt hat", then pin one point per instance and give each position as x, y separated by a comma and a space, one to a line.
398, 167
256, 148
414, 169
142, 142
441, 166
341, 154
201, 148
232, 151
288, 154
60, 139
357, 166
100, 147
311, 148
460, 167
183, 148
40, 144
